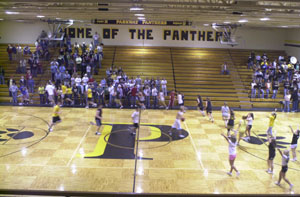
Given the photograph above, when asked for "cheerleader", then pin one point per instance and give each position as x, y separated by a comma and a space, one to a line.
209, 110
250, 118
225, 113
272, 154
232, 142
285, 160
200, 105
294, 142
242, 128
272, 118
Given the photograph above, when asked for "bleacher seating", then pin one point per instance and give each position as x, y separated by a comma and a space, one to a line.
191, 71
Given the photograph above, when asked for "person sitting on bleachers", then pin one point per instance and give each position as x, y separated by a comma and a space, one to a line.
275, 87
265, 57
224, 68
24, 95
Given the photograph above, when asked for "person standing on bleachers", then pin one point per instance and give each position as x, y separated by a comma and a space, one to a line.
164, 86
41, 91
96, 38
287, 99
224, 70
275, 87
53, 68
14, 52
295, 100
253, 89
14, 93
9, 52
31, 85
154, 94
2, 74
19, 52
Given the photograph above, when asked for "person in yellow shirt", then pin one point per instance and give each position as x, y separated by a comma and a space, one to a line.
272, 118
55, 117
63, 93
68, 95
242, 128
89, 95
42, 94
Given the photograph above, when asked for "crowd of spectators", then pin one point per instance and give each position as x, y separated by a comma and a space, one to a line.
269, 76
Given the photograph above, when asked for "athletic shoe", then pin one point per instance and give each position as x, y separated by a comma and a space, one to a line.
121, 107
86, 107
238, 173
97, 133
50, 129
181, 136
276, 183
132, 133
170, 133
295, 159
229, 173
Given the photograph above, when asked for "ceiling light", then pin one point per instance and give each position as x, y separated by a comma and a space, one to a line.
141, 18
243, 21
1, 19
57, 18
8, 12
139, 14
226, 22
284, 26
268, 9
206, 25
265, 19
40, 16
136, 9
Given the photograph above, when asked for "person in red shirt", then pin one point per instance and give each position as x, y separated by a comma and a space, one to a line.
133, 96
172, 99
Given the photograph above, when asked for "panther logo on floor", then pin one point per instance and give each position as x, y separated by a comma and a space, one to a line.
15, 134
262, 138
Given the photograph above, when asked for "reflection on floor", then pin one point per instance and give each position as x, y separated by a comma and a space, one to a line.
73, 158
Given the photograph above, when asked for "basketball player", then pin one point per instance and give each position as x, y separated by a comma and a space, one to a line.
272, 154
55, 117
200, 105
225, 113
285, 159
272, 118
209, 110
135, 119
98, 119
232, 142
294, 142
176, 125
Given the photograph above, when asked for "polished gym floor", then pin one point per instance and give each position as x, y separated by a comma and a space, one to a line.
73, 158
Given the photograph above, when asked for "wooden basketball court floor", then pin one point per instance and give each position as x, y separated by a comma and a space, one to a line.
73, 158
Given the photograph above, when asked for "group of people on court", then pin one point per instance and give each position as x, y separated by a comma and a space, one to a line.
232, 137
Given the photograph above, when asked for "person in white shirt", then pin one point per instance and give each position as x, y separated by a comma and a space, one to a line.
50, 90
154, 95
250, 119
91, 46
232, 143
176, 126
147, 95
135, 119
77, 81
180, 99
164, 86
161, 98
85, 79
225, 113
19, 52
284, 167
88, 70
112, 94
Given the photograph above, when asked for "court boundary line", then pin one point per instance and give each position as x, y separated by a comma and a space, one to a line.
194, 146
75, 151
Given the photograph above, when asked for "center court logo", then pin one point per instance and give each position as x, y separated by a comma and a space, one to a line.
116, 142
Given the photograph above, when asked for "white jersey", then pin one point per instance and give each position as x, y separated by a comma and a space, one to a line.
285, 160
135, 117
85, 80
225, 110
154, 92
180, 100
50, 89
232, 147
161, 96
250, 121
163, 83
78, 81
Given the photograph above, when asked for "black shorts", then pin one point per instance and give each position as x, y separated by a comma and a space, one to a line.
201, 107
55, 119
284, 169
89, 99
98, 122
136, 125
208, 111
271, 156
181, 104
249, 127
